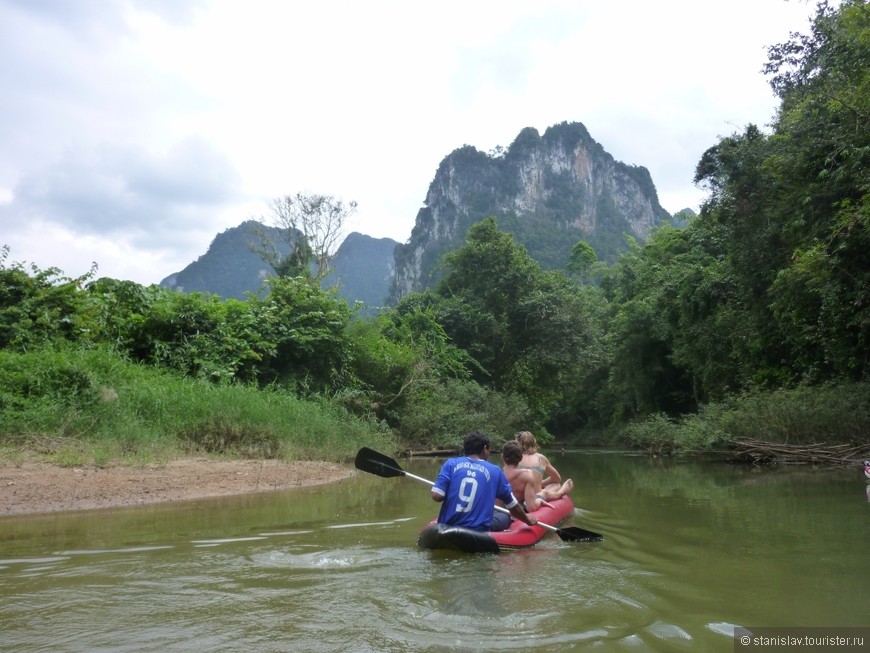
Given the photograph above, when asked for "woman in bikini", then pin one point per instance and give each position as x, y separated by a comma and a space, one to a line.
523, 481
548, 482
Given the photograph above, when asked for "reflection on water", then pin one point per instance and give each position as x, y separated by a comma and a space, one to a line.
690, 552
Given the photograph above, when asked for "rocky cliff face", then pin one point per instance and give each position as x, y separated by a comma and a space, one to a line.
550, 191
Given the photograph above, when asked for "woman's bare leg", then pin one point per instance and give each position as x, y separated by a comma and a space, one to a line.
552, 493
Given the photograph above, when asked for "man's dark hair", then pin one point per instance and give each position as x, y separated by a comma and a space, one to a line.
474, 443
511, 452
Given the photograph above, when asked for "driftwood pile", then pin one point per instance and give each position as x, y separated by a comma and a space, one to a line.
760, 452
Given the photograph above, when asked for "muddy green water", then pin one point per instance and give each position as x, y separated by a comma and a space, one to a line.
690, 551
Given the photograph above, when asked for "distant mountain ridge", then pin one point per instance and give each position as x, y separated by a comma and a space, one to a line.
362, 266
230, 267
549, 191
363, 269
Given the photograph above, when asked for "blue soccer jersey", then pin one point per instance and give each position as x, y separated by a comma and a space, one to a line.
470, 488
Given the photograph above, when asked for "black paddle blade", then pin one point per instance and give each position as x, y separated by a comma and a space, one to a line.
369, 460
574, 534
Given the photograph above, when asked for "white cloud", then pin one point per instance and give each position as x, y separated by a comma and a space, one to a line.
133, 131
118, 191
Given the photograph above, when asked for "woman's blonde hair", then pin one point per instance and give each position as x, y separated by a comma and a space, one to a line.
527, 442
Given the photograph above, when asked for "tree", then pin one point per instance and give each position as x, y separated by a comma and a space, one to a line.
307, 331
642, 289
312, 226
582, 259
485, 282
822, 156
530, 331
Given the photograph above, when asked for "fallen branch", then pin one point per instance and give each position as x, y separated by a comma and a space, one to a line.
761, 452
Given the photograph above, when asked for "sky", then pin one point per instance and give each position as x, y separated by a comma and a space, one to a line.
132, 132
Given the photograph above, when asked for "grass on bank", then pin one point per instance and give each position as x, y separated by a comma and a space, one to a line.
76, 407
833, 414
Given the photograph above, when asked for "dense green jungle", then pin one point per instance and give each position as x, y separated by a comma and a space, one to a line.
743, 334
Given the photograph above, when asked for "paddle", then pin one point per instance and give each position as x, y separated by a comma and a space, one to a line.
369, 460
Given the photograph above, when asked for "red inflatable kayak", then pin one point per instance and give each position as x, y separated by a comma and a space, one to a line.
517, 536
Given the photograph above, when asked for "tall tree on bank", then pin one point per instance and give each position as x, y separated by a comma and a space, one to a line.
312, 225
793, 207
821, 297
530, 331
767, 287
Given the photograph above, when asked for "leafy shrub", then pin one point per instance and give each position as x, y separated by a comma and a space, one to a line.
832, 413
657, 434
40, 306
439, 416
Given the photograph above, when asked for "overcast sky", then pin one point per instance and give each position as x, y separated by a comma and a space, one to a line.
134, 131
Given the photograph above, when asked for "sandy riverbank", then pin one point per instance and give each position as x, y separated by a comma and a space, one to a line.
33, 487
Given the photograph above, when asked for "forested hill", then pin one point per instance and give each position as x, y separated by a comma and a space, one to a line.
549, 191
232, 268
362, 269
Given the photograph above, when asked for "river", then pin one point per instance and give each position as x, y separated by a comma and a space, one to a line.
691, 551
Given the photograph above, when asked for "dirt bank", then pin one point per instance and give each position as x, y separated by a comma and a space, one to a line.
31, 487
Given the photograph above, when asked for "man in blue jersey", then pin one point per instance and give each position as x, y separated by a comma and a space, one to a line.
467, 487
